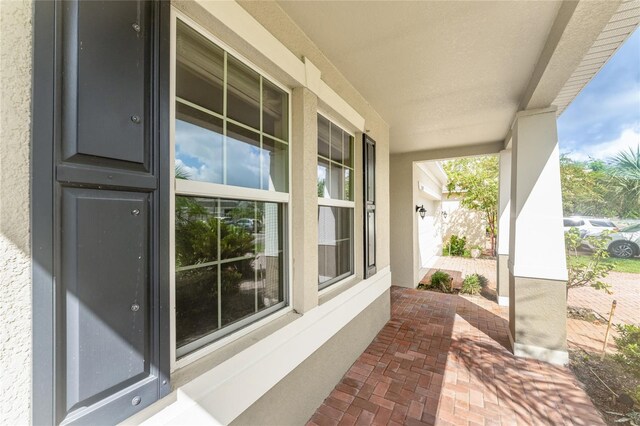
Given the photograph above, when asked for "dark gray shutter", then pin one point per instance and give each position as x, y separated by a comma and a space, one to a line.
369, 150
103, 345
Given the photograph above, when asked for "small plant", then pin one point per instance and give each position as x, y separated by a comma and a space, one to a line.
628, 344
472, 284
455, 246
591, 272
441, 281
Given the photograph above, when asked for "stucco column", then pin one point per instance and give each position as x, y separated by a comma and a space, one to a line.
537, 264
504, 210
304, 199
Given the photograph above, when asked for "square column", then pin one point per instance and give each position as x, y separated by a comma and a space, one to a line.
304, 199
537, 263
504, 213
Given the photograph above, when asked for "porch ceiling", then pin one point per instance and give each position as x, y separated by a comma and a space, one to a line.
442, 74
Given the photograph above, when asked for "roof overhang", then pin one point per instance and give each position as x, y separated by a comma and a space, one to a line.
450, 75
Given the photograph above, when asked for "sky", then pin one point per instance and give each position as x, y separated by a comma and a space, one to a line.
604, 118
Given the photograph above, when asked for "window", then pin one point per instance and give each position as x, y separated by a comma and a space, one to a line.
231, 192
573, 222
335, 203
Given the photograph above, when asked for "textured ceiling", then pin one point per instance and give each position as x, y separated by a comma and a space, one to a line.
442, 74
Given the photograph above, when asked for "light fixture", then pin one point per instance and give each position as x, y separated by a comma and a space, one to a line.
421, 210
444, 214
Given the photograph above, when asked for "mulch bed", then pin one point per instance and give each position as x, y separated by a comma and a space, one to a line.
456, 285
592, 372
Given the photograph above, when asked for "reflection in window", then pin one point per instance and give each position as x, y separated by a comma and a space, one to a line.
198, 148
229, 265
335, 244
255, 151
231, 128
335, 182
335, 161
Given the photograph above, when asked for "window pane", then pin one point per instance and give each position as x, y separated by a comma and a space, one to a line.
270, 254
336, 182
243, 93
323, 136
199, 69
347, 150
238, 290
198, 145
348, 184
242, 164
323, 178
245, 276
335, 243
196, 304
275, 165
197, 222
275, 110
336, 143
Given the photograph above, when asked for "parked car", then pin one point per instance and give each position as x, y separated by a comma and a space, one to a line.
250, 225
626, 243
589, 225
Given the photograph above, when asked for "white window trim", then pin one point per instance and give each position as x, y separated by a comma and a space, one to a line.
182, 187
332, 202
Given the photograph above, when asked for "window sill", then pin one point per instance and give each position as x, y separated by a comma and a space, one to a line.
191, 365
336, 288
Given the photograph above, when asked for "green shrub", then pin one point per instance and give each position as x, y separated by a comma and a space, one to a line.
456, 246
590, 272
628, 344
441, 281
472, 284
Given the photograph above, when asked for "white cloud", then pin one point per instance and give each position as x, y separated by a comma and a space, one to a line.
628, 138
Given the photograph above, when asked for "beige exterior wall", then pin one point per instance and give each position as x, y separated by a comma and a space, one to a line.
15, 249
319, 373
415, 241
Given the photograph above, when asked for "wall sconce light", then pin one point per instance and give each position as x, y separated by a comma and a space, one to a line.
421, 210
444, 214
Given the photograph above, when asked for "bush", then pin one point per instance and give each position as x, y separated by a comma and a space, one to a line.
472, 284
628, 344
441, 281
591, 272
456, 247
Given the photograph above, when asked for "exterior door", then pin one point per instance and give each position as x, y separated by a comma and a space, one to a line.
100, 210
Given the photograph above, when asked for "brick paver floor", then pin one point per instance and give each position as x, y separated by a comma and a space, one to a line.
443, 359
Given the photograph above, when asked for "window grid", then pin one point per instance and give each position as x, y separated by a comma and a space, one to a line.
345, 202
264, 192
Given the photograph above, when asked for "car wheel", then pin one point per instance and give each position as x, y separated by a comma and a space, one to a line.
622, 249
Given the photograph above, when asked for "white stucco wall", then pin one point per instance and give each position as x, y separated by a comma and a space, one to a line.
427, 192
463, 223
15, 267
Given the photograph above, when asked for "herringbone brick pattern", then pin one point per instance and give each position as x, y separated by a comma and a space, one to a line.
443, 359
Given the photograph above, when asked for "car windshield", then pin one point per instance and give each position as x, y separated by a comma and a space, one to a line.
632, 228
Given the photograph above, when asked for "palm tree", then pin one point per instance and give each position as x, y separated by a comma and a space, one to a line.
625, 174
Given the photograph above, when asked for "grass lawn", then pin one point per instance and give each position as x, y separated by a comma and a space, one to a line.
620, 265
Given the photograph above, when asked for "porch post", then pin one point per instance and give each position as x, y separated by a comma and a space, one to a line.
304, 197
537, 264
504, 211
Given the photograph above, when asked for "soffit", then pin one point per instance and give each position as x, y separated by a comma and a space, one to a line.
442, 74
621, 25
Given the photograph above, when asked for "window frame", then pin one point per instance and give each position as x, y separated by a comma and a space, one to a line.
181, 187
332, 202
